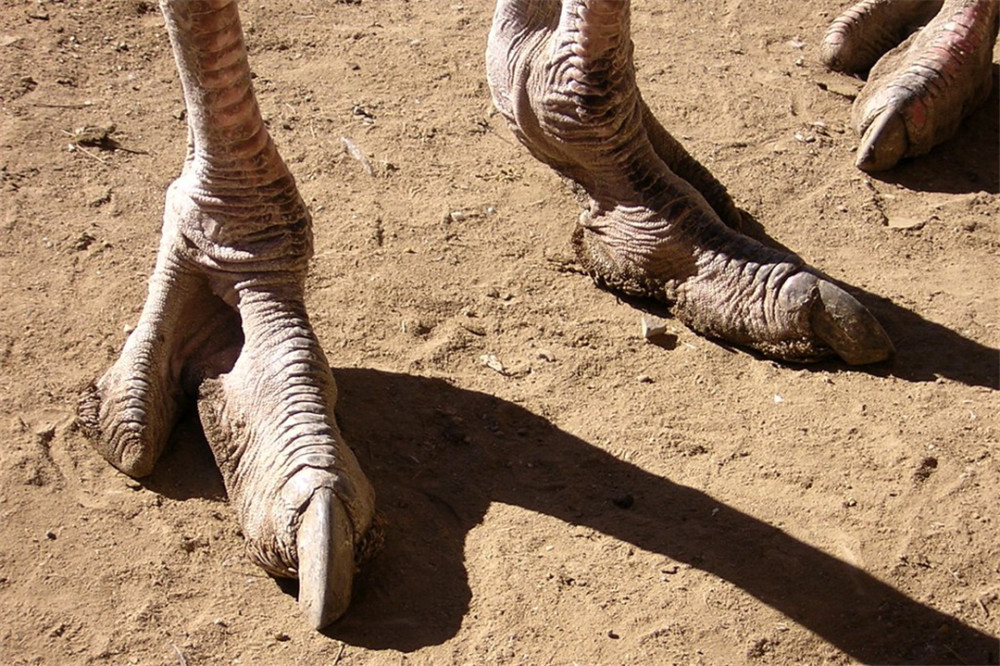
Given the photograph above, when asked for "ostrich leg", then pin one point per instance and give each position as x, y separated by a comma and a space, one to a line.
563, 77
225, 325
918, 93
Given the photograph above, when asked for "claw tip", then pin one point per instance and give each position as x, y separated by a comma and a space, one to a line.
883, 143
849, 328
326, 559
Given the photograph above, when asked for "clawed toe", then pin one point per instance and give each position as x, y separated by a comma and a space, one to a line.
868, 29
225, 326
883, 143
329, 554
848, 327
919, 92
325, 545
657, 223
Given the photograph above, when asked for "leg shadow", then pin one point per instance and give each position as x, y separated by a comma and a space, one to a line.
925, 350
186, 468
444, 454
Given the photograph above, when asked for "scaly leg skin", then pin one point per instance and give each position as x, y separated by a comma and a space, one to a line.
564, 79
866, 31
919, 93
225, 325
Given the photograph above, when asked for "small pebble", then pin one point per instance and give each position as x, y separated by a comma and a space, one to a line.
416, 327
906, 223
475, 329
653, 327
493, 363
546, 355
624, 501
644, 379
45, 435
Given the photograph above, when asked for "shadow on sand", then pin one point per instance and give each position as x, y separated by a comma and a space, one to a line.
439, 455
925, 350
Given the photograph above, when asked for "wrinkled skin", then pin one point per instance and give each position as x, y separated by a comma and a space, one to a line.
225, 326
563, 77
931, 66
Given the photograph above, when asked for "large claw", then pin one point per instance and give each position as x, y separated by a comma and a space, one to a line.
326, 559
919, 94
883, 143
848, 327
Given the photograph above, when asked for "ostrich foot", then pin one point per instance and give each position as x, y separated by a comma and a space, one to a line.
564, 79
225, 327
919, 92
265, 394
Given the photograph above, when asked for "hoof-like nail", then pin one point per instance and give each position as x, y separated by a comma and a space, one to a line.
326, 559
883, 143
848, 327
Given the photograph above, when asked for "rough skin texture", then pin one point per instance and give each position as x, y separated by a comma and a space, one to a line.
225, 324
921, 86
565, 80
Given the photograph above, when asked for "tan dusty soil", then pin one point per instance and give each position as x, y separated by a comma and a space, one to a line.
601, 500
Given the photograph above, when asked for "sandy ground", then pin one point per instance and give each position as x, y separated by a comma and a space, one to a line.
589, 499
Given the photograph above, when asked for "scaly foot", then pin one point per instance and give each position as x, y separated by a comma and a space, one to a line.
919, 92
564, 79
225, 326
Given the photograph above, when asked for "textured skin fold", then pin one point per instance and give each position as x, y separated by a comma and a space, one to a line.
867, 30
932, 81
225, 323
564, 79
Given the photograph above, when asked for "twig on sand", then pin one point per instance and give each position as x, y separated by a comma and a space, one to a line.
340, 653
74, 148
355, 152
180, 655
84, 105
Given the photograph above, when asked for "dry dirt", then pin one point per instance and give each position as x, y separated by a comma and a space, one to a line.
589, 499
